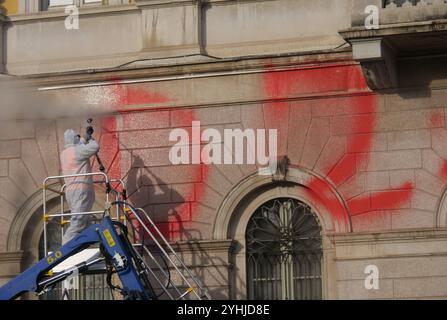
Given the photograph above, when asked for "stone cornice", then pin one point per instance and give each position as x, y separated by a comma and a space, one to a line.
392, 29
204, 246
181, 67
83, 11
11, 256
390, 236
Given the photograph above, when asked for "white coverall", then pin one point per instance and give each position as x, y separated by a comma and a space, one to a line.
80, 195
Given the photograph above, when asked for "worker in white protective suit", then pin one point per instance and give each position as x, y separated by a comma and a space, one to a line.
79, 192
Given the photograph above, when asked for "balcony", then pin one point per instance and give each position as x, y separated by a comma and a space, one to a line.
385, 35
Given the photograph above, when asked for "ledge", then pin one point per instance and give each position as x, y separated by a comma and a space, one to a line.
14, 256
395, 29
390, 236
83, 11
180, 67
204, 245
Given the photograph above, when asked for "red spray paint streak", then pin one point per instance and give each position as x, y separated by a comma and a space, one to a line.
438, 121
279, 85
124, 98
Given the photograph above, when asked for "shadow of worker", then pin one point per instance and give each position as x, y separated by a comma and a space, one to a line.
149, 192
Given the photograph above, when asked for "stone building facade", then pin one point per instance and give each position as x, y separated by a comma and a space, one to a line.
360, 115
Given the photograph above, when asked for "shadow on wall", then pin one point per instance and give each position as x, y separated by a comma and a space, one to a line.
422, 72
163, 204
146, 190
219, 274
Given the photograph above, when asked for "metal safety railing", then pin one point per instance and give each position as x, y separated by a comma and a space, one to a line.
142, 225
46, 187
156, 256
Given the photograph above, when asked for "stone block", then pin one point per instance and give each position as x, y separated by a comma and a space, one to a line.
412, 219
32, 158
427, 182
372, 221
21, 176
412, 139
394, 160
300, 120
339, 106
182, 192
439, 137
416, 100
432, 163
3, 168
377, 180
333, 153
217, 115
145, 139
208, 196
46, 138
316, 139
407, 120
374, 142
8, 212
424, 201
217, 180
345, 125
153, 157
353, 186
398, 178
10, 130
355, 290
11, 193
10, 149
143, 120
428, 287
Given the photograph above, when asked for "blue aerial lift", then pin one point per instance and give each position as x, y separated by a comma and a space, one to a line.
126, 258
116, 249
130, 246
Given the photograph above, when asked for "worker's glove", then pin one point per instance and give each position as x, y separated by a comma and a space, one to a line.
89, 133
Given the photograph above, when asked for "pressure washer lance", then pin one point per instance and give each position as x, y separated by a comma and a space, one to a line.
88, 136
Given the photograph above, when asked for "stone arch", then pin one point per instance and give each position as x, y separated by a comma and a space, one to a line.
441, 215
27, 214
27, 227
237, 209
314, 190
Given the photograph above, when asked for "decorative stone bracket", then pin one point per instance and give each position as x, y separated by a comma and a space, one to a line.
378, 62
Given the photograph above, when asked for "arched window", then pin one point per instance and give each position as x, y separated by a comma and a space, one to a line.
284, 252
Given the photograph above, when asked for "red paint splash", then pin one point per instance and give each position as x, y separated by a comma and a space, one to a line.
444, 171
437, 120
362, 117
381, 200
129, 96
180, 216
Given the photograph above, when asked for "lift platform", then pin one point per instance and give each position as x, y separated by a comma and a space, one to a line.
124, 242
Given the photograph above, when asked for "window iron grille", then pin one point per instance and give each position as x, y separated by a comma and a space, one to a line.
284, 252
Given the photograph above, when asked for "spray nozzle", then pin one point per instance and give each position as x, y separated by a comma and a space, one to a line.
89, 130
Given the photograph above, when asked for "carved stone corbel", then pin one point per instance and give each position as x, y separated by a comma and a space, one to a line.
378, 62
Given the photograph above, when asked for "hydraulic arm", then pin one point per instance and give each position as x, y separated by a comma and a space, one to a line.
118, 252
